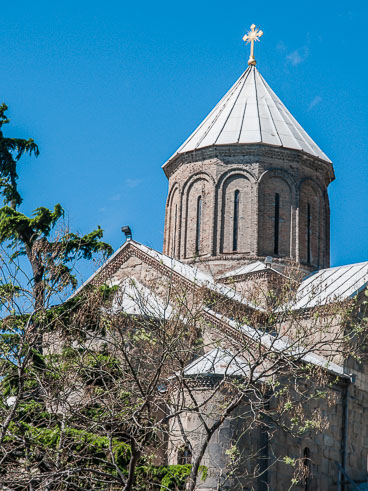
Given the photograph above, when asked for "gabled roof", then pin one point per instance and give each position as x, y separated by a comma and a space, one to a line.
320, 288
137, 299
190, 273
332, 285
251, 113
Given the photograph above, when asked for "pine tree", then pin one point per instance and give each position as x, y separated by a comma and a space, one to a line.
30, 236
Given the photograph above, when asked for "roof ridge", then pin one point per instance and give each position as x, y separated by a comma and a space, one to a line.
271, 117
222, 102
276, 101
255, 71
232, 109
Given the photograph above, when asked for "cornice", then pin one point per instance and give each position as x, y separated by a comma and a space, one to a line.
247, 154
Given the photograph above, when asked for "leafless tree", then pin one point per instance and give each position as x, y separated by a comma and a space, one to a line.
135, 381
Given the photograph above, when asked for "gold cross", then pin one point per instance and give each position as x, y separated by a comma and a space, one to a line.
253, 35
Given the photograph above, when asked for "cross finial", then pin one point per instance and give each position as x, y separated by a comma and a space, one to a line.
253, 35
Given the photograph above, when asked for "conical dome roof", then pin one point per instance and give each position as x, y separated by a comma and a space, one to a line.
251, 113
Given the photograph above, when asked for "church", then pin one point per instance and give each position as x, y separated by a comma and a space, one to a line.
247, 209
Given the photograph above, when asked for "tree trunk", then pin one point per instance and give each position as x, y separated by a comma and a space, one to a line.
132, 465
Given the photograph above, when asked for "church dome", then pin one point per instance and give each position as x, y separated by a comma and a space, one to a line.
251, 113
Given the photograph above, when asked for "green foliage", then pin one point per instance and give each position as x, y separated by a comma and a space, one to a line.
18, 228
84, 247
289, 461
80, 444
8, 292
175, 476
203, 470
108, 291
22, 231
93, 450
31, 235
11, 150
50, 432
170, 477
9, 342
232, 453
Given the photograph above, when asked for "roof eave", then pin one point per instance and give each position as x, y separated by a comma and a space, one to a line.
178, 154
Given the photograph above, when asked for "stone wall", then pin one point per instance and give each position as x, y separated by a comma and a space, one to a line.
258, 173
233, 440
227, 456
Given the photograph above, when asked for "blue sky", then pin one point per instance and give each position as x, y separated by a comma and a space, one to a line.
110, 89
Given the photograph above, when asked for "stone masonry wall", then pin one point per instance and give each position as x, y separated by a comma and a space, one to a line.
322, 447
258, 173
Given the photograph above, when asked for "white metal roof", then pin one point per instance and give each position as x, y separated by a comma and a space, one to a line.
320, 288
134, 298
282, 344
138, 299
251, 112
245, 269
332, 285
191, 273
218, 362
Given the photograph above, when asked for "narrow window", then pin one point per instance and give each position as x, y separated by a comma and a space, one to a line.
307, 469
184, 456
276, 224
236, 220
198, 225
174, 237
309, 220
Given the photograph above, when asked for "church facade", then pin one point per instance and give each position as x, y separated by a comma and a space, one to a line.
247, 205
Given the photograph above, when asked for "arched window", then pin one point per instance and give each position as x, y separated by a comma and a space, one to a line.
174, 235
198, 225
184, 455
276, 233
309, 225
307, 468
236, 220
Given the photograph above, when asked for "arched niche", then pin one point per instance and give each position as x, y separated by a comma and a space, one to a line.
173, 221
235, 214
198, 216
311, 224
275, 194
